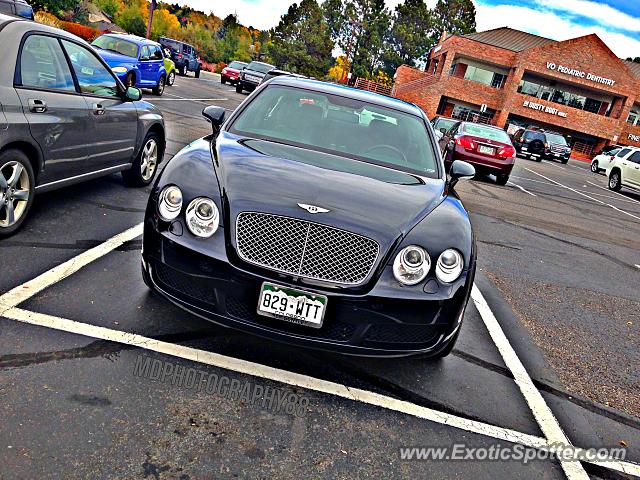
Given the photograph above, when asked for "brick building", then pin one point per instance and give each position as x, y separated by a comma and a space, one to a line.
512, 79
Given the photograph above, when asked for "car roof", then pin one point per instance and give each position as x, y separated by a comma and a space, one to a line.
262, 63
25, 25
131, 38
344, 91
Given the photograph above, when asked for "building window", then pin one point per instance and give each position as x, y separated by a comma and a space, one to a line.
634, 116
484, 76
559, 96
452, 70
435, 66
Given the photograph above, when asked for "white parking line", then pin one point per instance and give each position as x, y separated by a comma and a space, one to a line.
543, 415
584, 195
522, 188
28, 289
307, 382
541, 411
613, 191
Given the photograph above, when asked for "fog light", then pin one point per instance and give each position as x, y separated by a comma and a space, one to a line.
202, 217
449, 266
170, 203
411, 265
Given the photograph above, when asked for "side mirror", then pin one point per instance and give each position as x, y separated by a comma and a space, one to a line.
460, 170
133, 94
215, 115
443, 130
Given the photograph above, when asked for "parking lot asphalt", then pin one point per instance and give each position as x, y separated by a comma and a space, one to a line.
548, 350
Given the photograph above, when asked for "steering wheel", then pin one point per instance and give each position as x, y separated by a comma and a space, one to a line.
389, 148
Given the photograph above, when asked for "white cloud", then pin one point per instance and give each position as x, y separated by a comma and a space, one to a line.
550, 25
600, 12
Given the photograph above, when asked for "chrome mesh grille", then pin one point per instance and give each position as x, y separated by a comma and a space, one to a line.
303, 248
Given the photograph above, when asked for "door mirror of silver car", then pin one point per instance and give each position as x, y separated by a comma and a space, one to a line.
459, 170
133, 94
215, 115
443, 130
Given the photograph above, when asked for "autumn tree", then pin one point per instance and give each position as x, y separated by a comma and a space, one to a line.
301, 41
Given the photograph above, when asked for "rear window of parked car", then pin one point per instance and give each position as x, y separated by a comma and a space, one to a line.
117, 45
486, 132
339, 125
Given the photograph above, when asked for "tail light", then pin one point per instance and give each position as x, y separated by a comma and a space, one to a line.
466, 143
612, 157
546, 145
507, 151
179, 55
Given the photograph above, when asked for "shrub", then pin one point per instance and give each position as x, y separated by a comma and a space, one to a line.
46, 18
86, 33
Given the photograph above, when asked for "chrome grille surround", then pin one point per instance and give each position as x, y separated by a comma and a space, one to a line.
303, 248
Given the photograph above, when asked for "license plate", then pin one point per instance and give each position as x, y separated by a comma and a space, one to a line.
292, 305
487, 150
251, 78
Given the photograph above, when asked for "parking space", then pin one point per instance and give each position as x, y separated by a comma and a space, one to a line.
548, 352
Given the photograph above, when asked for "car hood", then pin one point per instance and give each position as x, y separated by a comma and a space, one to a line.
377, 202
114, 59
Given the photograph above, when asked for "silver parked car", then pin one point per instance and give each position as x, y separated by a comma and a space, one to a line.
66, 118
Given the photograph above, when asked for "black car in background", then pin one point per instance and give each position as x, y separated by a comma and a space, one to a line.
183, 55
19, 8
252, 75
279, 73
319, 216
541, 144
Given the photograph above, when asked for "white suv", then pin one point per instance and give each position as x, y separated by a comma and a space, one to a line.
624, 169
601, 161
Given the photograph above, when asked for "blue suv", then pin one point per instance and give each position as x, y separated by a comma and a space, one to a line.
138, 62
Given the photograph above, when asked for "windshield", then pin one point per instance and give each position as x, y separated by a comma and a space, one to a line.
339, 125
237, 65
554, 138
445, 123
117, 45
486, 132
260, 67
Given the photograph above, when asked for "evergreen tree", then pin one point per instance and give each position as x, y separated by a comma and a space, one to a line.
453, 16
301, 41
409, 39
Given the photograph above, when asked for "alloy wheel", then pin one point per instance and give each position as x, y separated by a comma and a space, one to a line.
149, 160
594, 167
14, 193
172, 78
613, 180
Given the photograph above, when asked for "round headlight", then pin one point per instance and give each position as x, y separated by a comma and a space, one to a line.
202, 217
170, 203
411, 265
449, 266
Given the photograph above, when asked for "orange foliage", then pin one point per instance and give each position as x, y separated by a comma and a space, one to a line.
86, 33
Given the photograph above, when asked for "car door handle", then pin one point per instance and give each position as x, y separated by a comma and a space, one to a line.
98, 109
37, 106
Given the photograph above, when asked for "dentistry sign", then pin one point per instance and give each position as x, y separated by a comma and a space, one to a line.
580, 74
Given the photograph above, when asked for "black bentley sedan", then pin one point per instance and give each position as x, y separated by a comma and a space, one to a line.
316, 215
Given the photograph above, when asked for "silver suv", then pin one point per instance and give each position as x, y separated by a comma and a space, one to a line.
624, 169
66, 118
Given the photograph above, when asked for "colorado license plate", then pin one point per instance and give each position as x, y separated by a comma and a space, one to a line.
292, 305
485, 149
251, 78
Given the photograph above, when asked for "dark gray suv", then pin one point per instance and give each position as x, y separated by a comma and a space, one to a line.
66, 118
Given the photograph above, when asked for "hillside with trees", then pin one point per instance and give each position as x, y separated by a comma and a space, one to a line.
373, 40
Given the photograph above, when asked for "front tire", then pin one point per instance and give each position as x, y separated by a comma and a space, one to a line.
594, 166
615, 180
197, 74
238, 87
223, 80
17, 186
159, 89
565, 161
171, 79
182, 71
146, 163
130, 80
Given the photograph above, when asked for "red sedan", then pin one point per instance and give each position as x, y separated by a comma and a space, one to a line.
231, 72
488, 148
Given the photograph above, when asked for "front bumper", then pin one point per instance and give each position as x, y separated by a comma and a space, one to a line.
227, 294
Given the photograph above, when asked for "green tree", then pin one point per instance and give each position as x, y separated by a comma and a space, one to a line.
301, 41
110, 7
55, 6
408, 40
453, 16
360, 29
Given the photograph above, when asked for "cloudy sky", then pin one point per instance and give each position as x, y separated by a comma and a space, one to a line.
617, 22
